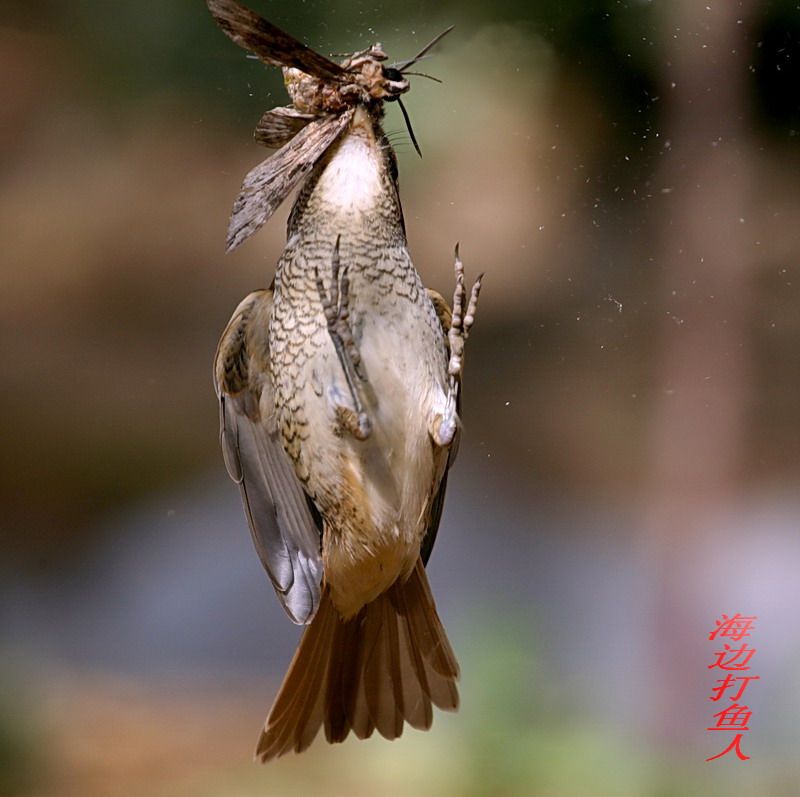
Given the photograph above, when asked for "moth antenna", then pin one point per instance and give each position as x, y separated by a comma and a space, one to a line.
422, 74
351, 55
403, 64
408, 125
398, 64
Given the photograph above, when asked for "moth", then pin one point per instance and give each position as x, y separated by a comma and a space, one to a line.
324, 97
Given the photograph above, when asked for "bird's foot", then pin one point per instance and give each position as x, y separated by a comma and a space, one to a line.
445, 425
337, 316
461, 322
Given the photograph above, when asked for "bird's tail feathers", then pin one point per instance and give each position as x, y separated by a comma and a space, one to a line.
386, 666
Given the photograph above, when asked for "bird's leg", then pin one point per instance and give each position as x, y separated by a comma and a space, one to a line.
444, 426
337, 315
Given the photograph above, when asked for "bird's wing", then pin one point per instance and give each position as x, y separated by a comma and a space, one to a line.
435, 514
284, 529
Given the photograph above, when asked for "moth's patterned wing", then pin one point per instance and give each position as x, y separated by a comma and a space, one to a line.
280, 125
266, 186
269, 42
284, 531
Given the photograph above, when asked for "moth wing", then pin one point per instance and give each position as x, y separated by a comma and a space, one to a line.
269, 42
284, 531
280, 125
266, 186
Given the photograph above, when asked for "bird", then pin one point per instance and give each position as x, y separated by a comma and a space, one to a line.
339, 394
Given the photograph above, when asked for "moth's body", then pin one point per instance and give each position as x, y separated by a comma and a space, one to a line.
375, 493
338, 394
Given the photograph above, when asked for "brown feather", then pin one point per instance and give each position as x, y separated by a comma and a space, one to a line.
427, 627
357, 709
417, 708
297, 712
381, 668
343, 680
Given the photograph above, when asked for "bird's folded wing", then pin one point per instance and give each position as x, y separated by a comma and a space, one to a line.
445, 316
285, 532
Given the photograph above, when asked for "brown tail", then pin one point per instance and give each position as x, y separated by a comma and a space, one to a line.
383, 667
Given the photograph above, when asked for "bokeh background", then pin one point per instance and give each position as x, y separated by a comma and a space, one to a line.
626, 174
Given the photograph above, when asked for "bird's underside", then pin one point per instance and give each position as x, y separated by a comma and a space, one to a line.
285, 523
388, 662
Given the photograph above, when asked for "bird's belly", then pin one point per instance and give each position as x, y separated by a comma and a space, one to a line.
373, 494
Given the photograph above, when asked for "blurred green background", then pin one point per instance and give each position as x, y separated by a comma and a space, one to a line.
626, 174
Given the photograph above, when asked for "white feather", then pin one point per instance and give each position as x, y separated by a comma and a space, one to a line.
352, 179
